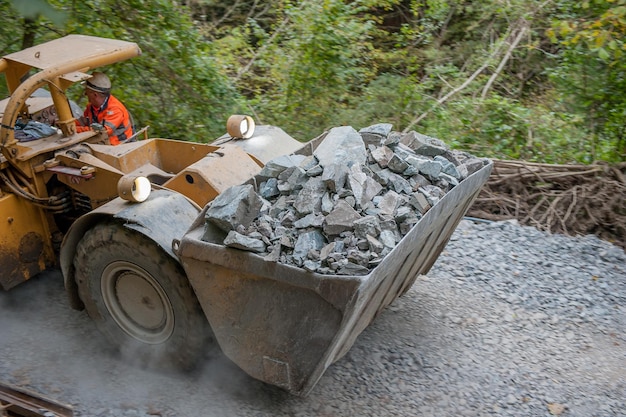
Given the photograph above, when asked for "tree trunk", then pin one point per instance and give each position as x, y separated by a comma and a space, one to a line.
30, 26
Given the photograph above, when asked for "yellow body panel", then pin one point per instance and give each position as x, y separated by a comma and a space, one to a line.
213, 174
25, 244
198, 171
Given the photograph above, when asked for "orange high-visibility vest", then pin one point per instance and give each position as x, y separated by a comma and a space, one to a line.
113, 116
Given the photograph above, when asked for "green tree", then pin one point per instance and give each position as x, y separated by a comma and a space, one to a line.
540, 79
591, 74
302, 70
174, 86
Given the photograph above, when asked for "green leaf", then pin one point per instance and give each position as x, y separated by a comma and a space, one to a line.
32, 9
603, 54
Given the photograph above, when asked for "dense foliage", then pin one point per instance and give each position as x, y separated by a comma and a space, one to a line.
540, 80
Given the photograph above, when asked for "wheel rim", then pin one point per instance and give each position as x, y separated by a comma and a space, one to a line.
137, 302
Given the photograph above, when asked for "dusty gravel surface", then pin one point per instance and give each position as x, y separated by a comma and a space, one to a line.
509, 322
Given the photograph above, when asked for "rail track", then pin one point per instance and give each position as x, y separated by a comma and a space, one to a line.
17, 402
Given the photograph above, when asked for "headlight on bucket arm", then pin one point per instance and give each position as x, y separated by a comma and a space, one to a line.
134, 188
240, 126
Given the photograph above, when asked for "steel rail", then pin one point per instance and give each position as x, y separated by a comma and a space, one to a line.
17, 402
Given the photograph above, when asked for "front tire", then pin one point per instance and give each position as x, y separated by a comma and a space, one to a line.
140, 298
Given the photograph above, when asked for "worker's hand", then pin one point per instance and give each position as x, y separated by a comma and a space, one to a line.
97, 127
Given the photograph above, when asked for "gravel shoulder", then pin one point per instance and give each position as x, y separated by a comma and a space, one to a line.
510, 321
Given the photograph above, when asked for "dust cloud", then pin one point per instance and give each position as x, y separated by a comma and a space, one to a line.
50, 349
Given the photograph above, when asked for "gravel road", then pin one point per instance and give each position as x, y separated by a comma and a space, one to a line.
509, 322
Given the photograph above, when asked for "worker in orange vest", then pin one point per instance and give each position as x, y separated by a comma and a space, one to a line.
104, 111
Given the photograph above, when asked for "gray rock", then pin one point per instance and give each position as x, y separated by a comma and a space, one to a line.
308, 163
429, 168
392, 139
315, 171
452, 181
432, 193
309, 198
327, 250
239, 241
269, 188
388, 203
420, 202
397, 164
311, 266
297, 179
310, 220
280, 205
351, 268
277, 165
341, 219
382, 129
343, 146
367, 226
473, 164
423, 145
418, 181
405, 213
375, 245
327, 203
447, 167
375, 134
313, 240
382, 155
363, 187
394, 181
334, 176
236, 205
387, 238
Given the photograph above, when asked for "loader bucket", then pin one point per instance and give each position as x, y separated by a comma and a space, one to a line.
284, 325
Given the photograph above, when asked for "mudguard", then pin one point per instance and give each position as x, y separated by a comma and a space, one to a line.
164, 216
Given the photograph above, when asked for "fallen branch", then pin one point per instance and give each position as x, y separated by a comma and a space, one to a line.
509, 52
476, 73
445, 98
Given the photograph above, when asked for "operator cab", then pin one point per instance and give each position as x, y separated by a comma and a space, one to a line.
41, 116
37, 79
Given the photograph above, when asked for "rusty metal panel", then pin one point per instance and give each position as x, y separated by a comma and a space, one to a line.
25, 247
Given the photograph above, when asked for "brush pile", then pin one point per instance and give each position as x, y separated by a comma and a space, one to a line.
565, 199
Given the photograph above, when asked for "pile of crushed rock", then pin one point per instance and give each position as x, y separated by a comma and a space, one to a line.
346, 206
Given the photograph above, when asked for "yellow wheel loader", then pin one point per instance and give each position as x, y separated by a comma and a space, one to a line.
50, 176
126, 225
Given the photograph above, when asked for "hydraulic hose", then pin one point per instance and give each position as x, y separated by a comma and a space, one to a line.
54, 203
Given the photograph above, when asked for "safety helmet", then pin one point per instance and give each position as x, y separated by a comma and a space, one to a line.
99, 82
